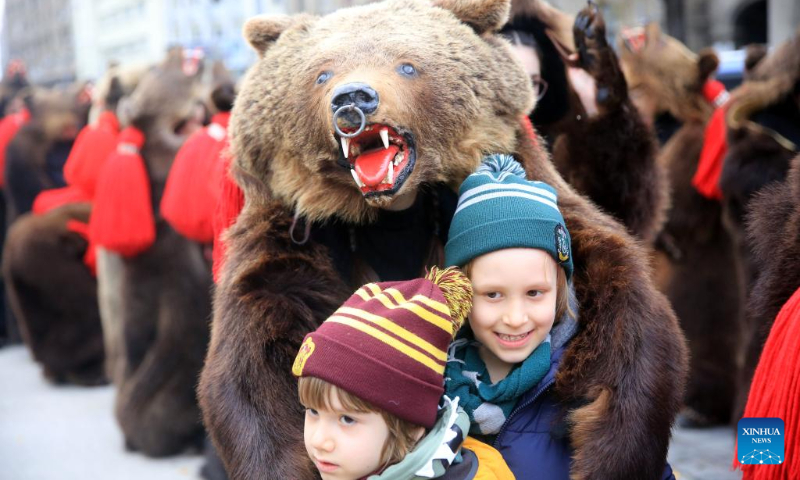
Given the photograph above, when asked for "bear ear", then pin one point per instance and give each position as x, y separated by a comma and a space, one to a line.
174, 59
755, 53
707, 63
482, 15
652, 32
262, 31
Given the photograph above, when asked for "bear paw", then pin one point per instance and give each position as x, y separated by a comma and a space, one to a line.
595, 56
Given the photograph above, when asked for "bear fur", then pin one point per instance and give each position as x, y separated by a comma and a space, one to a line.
609, 157
61, 301
694, 255
292, 260
773, 235
157, 304
763, 121
62, 328
36, 155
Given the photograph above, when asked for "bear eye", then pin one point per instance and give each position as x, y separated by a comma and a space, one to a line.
323, 77
407, 70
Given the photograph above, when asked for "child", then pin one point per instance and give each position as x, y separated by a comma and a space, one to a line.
371, 380
509, 237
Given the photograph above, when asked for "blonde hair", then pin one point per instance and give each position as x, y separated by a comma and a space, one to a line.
317, 394
562, 289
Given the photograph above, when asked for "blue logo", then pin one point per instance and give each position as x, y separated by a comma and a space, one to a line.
760, 441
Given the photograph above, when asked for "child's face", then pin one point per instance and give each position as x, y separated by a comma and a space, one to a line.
514, 305
344, 445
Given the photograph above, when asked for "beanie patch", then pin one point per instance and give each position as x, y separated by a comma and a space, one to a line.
306, 349
562, 243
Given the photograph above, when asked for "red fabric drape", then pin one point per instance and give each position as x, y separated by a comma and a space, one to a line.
122, 217
192, 192
57, 197
230, 204
775, 392
715, 146
92, 147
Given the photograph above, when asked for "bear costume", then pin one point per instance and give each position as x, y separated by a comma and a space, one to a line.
773, 236
763, 121
610, 157
54, 293
35, 158
317, 224
36, 155
694, 254
154, 296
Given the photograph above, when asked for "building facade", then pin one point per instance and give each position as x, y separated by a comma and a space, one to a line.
140, 31
65, 40
39, 32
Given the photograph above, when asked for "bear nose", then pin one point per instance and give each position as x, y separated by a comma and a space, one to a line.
359, 94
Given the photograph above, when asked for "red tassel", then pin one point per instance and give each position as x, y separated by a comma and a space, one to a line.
92, 147
230, 204
57, 197
775, 392
191, 193
712, 157
9, 126
715, 93
122, 218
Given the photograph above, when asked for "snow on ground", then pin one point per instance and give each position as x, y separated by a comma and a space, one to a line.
52, 432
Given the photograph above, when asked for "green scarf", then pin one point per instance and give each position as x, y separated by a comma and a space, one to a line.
489, 405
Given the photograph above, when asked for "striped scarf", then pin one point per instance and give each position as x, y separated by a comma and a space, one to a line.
489, 404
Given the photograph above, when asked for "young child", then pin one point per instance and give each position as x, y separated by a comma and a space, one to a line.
371, 380
509, 237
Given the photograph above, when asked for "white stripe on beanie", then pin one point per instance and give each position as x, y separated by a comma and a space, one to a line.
507, 186
503, 194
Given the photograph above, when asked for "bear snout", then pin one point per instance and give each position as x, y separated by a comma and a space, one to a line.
358, 94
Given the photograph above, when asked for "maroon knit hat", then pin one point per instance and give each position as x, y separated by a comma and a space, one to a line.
387, 344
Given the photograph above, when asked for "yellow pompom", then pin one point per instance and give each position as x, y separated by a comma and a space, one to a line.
457, 291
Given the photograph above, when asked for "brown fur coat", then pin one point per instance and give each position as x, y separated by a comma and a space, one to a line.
623, 372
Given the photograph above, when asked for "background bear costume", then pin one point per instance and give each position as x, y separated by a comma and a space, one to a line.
694, 257
449, 92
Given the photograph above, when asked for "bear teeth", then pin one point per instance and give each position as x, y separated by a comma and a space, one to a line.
345, 146
398, 158
355, 177
390, 174
385, 137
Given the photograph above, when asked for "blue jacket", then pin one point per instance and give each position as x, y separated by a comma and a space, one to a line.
528, 440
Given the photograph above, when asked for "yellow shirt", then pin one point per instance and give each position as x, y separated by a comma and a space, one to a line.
491, 465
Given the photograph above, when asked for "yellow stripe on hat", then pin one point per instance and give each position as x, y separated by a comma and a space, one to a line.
361, 292
388, 340
400, 302
438, 306
432, 318
374, 288
396, 329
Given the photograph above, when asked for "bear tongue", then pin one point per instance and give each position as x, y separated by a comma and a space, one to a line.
373, 165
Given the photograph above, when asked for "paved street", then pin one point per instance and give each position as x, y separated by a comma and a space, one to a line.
69, 433
703, 454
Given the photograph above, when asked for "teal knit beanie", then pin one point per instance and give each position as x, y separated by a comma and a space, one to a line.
498, 208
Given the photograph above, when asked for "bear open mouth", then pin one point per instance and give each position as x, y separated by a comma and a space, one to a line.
380, 158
